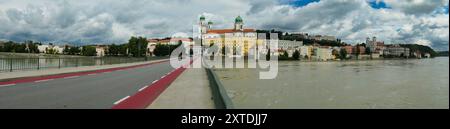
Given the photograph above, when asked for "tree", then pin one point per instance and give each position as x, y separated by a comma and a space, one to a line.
51, 51
74, 50
32, 47
357, 51
296, 55
368, 50
88, 51
343, 54
8, 47
123, 50
161, 50
268, 55
20, 48
284, 56
66, 49
113, 50
137, 46
421, 48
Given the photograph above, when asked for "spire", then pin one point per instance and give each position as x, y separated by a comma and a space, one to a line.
238, 19
202, 17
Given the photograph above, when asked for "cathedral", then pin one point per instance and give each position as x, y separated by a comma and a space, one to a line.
238, 40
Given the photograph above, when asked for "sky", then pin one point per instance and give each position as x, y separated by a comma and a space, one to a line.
81, 22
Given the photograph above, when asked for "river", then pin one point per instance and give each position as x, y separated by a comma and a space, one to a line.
379, 84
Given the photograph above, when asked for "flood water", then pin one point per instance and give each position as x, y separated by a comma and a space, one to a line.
413, 83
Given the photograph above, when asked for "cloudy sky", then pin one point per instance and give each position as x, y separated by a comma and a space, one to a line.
423, 22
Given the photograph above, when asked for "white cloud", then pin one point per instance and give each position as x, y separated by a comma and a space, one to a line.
423, 42
107, 21
416, 6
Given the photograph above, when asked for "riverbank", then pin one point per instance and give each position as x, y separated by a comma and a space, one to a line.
350, 60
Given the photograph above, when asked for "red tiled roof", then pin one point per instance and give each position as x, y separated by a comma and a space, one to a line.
222, 31
166, 40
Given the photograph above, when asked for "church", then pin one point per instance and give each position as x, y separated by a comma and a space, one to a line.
238, 40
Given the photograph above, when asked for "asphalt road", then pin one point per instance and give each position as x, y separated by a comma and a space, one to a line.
92, 91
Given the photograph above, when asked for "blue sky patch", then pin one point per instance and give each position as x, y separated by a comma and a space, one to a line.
298, 3
378, 5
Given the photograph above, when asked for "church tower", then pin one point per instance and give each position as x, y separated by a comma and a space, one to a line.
203, 25
238, 24
210, 23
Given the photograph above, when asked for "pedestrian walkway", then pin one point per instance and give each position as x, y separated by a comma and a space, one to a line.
190, 90
44, 72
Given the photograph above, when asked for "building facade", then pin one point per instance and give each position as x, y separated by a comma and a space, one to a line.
237, 41
396, 51
323, 53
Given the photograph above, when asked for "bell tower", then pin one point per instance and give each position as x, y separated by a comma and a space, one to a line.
203, 25
238, 24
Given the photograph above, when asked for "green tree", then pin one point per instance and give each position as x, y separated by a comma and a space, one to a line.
343, 54
161, 50
268, 55
113, 50
284, 56
8, 47
66, 50
88, 51
20, 48
357, 51
123, 50
296, 55
368, 51
137, 46
51, 51
74, 50
32, 47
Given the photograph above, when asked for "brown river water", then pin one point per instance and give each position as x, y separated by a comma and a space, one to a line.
379, 84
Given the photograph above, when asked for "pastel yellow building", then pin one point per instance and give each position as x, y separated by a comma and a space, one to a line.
238, 40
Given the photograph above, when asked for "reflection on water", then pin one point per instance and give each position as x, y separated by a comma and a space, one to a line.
353, 84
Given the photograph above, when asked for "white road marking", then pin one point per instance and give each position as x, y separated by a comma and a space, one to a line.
44, 80
106, 72
120, 100
71, 77
154, 81
143, 88
8, 85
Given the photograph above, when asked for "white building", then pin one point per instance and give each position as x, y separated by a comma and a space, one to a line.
101, 50
323, 37
396, 50
58, 49
46, 48
375, 46
43, 48
306, 51
289, 45
323, 53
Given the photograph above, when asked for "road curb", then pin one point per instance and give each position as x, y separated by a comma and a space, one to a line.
220, 96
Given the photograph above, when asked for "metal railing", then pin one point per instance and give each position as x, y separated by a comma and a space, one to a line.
20, 64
